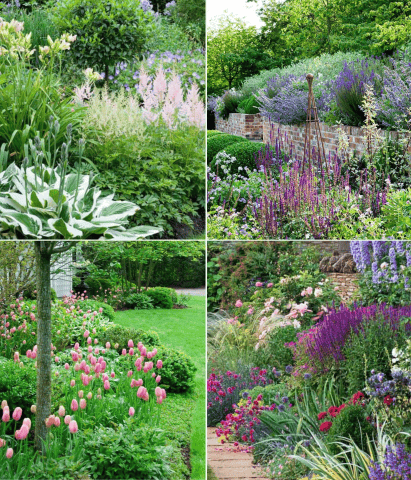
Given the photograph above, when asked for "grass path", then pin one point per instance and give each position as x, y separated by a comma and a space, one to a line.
184, 330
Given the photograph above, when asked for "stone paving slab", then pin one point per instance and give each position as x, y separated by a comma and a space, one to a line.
229, 463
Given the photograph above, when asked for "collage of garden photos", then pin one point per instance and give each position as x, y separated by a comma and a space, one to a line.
205, 240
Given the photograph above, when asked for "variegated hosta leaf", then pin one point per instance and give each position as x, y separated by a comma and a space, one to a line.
39, 203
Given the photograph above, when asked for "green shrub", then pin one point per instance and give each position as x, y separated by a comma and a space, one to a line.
94, 305
279, 355
95, 284
271, 393
18, 385
162, 297
107, 31
211, 133
121, 335
178, 371
350, 422
249, 105
219, 142
370, 349
139, 452
138, 301
245, 154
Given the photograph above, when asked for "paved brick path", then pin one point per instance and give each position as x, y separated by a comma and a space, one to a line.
228, 463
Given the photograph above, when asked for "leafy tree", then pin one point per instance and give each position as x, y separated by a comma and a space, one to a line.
191, 16
108, 31
233, 53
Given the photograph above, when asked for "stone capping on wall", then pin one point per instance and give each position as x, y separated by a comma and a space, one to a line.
256, 127
345, 284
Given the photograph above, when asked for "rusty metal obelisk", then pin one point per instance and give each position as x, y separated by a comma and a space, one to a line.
312, 117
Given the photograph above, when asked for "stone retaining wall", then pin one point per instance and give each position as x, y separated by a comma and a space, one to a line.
326, 247
243, 125
345, 284
255, 127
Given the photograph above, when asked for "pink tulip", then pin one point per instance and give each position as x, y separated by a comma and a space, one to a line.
27, 422
89, 395
95, 341
9, 453
50, 421
6, 415
62, 411
163, 393
66, 366
89, 340
74, 405
131, 411
106, 385
4, 404
83, 403
73, 427
56, 421
158, 378
153, 375
80, 394
76, 346
22, 433
160, 400
258, 284
67, 419
2, 442
33, 409
159, 364
158, 392
129, 373
72, 383
124, 352
112, 374
86, 334
17, 414
108, 345
130, 344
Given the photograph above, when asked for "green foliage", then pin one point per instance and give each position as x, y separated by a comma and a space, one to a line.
217, 143
396, 214
107, 32
163, 171
271, 393
121, 335
178, 371
370, 349
350, 423
279, 355
245, 153
94, 305
211, 133
228, 103
138, 301
18, 385
249, 105
139, 452
162, 297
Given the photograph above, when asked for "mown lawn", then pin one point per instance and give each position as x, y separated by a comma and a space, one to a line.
184, 330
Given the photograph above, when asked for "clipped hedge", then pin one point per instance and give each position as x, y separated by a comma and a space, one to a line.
121, 335
220, 142
245, 153
212, 133
178, 370
94, 305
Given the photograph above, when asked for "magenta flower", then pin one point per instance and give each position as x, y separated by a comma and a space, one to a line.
238, 303
130, 344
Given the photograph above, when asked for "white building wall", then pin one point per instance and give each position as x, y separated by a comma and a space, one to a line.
62, 282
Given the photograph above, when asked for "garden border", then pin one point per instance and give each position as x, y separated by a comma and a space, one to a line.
256, 127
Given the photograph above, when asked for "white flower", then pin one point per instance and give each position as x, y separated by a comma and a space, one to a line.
384, 265
318, 292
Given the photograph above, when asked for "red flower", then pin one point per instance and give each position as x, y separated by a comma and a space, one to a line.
322, 415
333, 411
357, 396
388, 400
325, 426
244, 438
341, 407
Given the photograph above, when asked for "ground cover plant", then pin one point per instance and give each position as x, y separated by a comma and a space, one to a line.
132, 99
108, 389
308, 384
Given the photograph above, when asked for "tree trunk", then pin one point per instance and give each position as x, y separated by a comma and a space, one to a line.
150, 273
43, 402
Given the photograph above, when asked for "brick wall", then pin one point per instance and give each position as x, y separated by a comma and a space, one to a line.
345, 284
327, 247
256, 127
243, 125
296, 135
